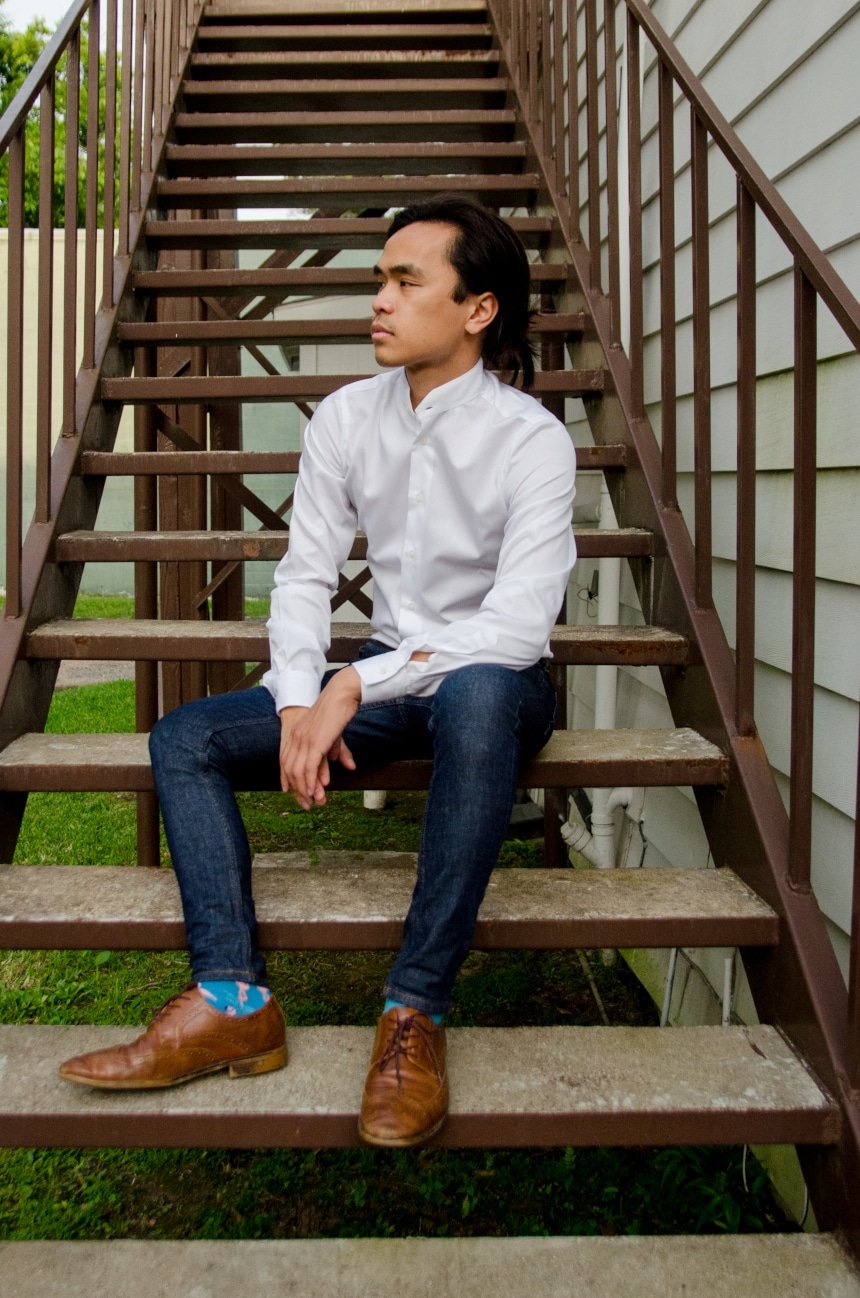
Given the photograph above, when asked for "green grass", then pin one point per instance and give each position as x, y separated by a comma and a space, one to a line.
212, 1194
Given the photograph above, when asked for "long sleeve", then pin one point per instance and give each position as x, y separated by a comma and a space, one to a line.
322, 530
512, 625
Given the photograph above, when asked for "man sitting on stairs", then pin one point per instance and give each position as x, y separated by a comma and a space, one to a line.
463, 486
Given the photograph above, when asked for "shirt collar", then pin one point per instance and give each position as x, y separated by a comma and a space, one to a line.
456, 392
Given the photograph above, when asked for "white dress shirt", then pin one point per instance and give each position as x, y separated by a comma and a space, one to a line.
466, 503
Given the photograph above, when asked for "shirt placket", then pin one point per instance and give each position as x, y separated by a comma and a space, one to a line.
411, 620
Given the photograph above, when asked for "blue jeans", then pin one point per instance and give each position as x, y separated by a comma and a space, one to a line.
477, 727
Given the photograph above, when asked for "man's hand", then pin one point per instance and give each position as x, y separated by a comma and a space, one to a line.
312, 737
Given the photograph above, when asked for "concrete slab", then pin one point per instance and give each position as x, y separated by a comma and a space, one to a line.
745, 1266
355, 901
603, 758
509, 1087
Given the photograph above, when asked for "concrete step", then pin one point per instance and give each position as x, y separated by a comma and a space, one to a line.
571, 759
361, 907
117, 547
583, 1086
666, 1266
160, 640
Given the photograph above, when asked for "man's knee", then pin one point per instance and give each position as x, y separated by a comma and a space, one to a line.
480, 702
176, 731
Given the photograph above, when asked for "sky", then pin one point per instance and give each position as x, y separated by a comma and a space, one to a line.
21, 12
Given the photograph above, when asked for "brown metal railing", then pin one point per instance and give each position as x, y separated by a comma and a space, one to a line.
127, 55
563, 58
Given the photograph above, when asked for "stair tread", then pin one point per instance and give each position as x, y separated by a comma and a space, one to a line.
210, 32
589, 758
117, 463
320, 330
250, 9
371, 126
329, 58
361, 906
311, 191
332, 159
280, 387
315, 232
304, 281
269, 544
509, 1086
401, 186
163, 639
715, 1266
338, 86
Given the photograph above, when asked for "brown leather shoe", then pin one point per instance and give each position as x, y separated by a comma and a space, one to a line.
405, 1097
186, 1039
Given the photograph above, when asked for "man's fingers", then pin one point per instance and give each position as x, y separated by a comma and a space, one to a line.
345, 757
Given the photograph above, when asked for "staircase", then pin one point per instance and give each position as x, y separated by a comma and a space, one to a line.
346, 110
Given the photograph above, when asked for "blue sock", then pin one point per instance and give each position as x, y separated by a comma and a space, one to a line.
390, 1005
234, 998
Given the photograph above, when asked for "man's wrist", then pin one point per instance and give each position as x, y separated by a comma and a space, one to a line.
348, 682
291, 713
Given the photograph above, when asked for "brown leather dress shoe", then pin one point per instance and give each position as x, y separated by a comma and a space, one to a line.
405, 1097
186, 1039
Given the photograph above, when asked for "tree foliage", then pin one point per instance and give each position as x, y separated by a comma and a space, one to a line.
19, 52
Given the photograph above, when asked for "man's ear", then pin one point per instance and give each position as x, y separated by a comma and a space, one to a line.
484, 311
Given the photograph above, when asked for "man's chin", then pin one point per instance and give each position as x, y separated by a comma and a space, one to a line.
379, 352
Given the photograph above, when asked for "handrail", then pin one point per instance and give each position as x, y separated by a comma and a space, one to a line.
136, 74
819, 270
574, 122
16, 113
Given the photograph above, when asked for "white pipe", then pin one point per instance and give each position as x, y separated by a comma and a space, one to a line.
598, 847
728, 982
669, 988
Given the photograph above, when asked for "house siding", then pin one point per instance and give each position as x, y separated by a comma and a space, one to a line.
784, 73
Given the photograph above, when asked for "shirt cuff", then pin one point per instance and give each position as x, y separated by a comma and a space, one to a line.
292, 689
390, 675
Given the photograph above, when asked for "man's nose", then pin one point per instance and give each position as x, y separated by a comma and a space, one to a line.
381, 300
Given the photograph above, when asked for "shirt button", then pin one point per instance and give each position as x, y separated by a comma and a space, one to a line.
410, 605
418, 497
410, 554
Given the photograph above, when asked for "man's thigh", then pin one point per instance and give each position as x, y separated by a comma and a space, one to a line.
239, 733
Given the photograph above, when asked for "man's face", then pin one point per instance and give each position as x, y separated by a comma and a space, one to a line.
416, 321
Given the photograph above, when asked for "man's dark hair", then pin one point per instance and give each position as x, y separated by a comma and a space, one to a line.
488, 258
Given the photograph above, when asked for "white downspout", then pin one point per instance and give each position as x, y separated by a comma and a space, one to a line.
598, 847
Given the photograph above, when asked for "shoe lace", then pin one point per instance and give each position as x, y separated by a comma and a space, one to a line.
397, 1046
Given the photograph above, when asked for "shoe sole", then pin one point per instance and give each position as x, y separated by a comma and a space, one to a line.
253, 1066
400, 1142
